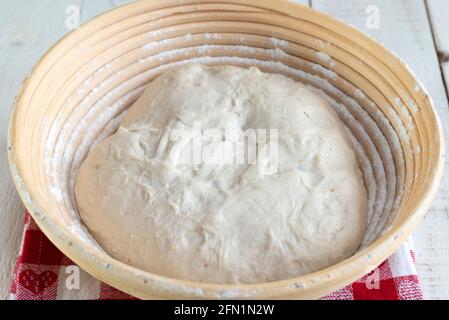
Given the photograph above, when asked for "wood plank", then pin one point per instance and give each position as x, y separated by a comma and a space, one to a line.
438, 13
305, 2
445, 67
404, 27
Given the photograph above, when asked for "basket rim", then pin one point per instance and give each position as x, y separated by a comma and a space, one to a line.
331, 278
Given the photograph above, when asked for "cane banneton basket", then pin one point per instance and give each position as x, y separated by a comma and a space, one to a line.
79, 91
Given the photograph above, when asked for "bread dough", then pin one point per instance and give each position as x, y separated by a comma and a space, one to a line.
225, 223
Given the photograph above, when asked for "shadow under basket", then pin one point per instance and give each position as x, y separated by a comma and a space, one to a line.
78, 92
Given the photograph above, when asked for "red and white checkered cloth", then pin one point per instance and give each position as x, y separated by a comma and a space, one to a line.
42, 272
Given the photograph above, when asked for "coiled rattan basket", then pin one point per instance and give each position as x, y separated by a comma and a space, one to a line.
77, 94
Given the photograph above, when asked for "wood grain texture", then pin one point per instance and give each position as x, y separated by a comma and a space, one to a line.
404, 28
438, 13
27, 30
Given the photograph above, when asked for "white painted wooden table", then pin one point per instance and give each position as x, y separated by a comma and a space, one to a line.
417, 30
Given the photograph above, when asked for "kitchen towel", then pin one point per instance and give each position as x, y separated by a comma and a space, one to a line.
42, 272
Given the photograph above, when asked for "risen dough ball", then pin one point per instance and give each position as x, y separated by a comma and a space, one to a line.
225, 223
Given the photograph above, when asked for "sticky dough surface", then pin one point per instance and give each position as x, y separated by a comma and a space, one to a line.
225, 223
